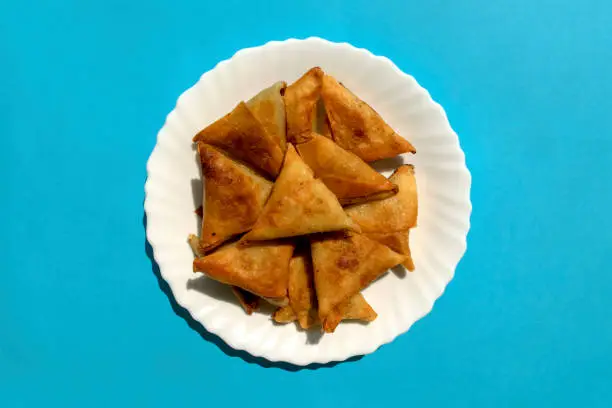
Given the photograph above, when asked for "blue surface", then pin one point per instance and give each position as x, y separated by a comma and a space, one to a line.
85, 86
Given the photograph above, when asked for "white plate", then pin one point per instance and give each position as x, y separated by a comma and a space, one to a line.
437, 244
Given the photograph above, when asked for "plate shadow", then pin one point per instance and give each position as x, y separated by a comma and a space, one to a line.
213, 338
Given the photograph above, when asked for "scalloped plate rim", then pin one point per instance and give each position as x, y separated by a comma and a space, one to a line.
295, 359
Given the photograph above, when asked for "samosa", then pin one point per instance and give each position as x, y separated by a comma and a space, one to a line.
268, 107
234, 196
299, 205
248, 301
354, 308
303, 305
344, 264
302, 105
351, 179
358, 128
397, 241
302, 300
244, 137
393, 214
261, 268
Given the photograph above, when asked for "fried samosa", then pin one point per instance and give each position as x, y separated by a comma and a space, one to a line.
261, 268
244, 137
248, 301
268, 107
393, 214
344, 264
234, 196
302, 300
301, 99
355, 308
358, 128
351, 179
397, 241
299, 205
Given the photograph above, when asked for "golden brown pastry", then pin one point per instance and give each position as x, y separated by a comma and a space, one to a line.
261, 268
301, 99
344, 264
302, 300
234, 196
303, 303
351, 179
354, 308
336, 135
244, 137
356, 127
248, 301
299, 205
284, 315
393, 214
397, 241
268, 107
194, 243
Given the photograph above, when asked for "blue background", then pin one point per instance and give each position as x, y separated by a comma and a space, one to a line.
84, 88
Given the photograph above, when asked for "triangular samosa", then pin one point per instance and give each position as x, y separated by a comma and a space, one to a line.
268, 107
351, 179
354, 308
301, 99
302, 300
393, 214
248, 301
344, 264
299, 205
234, 196
244, 137
356, 127
261, 268
397, 241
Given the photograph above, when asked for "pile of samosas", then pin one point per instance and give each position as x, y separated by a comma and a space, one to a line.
292, 211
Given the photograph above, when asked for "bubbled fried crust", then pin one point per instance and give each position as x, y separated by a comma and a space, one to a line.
259, 268
344, 264
302, 296
268, 107
248, 301
303, 302
393, 214
397, 241
358, 128
243, 136
354, 308
351, 179
299, 205
234, 196
301, 99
